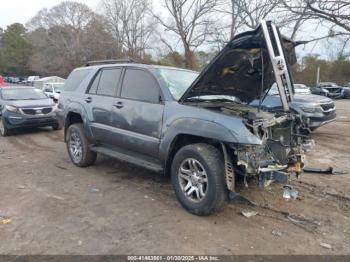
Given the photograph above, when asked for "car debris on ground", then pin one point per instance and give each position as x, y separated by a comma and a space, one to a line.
248, 213
326, 171
325, 245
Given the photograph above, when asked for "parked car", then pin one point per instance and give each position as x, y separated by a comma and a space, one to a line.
25, 107
315, 110
13, 80
171, 120
31, 79
328, 89
22, 80
346, 91
53, 90
302, 89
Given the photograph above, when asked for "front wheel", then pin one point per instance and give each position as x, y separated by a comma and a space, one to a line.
197, 175
4, 131
78, 146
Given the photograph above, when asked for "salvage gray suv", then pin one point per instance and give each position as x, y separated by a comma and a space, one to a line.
199, 129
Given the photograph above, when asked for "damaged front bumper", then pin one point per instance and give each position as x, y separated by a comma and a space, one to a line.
262, 162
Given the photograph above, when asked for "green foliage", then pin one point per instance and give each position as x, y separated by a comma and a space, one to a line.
15, 50
178, 60
173, 59
337, 71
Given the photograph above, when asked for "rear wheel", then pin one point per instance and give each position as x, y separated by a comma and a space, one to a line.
198, 178
78, 146
4, 131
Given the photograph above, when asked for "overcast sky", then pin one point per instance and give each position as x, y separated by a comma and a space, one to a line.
21, 11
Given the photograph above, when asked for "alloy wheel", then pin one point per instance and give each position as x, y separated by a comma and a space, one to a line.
193, 179
75, 147
2, 128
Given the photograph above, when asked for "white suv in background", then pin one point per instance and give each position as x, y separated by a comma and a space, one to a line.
53, 90
30, 80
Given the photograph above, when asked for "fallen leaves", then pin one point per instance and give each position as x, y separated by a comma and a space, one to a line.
5, 221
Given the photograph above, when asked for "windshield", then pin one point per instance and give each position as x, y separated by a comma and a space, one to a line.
58, 87
23, 94
178, 80
274, 90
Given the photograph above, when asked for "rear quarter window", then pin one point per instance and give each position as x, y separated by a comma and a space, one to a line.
75, 79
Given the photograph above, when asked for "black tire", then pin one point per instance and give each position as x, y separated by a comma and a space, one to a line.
211, 159
57, 126
87, 157
4, 131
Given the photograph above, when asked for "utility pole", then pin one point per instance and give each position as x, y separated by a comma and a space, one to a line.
318, 75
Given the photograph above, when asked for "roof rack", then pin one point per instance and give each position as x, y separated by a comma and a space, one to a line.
111, 61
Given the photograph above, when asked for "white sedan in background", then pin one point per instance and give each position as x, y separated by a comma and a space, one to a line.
302, 89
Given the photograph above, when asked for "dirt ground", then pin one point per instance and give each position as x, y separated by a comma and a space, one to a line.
115, 208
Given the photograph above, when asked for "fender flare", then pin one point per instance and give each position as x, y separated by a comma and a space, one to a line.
194, 127
77, 108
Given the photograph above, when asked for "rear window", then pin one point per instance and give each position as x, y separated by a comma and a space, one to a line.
75, 79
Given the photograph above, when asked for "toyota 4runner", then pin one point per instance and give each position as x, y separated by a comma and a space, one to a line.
199, 128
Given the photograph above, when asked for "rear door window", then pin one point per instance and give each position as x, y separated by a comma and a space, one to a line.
94, 85
140, 85
108, 82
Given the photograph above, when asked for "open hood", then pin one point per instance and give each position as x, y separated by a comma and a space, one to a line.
243, 69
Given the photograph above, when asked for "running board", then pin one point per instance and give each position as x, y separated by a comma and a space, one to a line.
130, 157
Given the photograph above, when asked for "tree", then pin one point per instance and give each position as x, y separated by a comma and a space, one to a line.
242, 15
337, 71
252, 12
66, 36
191, 21
334, 13
173, 58
131, 25
15, 50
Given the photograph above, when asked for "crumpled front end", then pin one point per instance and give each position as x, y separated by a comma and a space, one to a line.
281, 151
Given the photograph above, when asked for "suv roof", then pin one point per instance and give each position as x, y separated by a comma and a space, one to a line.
130, 64
111, 61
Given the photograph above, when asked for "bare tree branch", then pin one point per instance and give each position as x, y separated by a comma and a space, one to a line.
190, 21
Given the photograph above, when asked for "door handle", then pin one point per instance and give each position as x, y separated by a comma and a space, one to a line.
119, 105
88, 100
